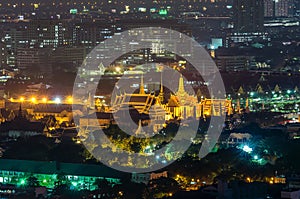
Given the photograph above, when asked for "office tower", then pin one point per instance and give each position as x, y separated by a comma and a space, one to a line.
248, 15
279, 8
269, 8
284, 8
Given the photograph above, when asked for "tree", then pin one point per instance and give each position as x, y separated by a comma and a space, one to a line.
104, 187
129, 189
162, 187
32, 181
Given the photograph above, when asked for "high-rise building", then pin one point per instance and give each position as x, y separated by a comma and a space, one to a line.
269, 8
248, 15
279, 8
284, 8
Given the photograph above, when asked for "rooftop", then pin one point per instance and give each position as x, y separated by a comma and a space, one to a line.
52, 167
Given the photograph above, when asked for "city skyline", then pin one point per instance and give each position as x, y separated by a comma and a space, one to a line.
149, 99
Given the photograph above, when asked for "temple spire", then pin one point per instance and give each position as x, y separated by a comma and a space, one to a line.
247, 103
139, 131
161, 92
238, 106
142, 89
247, 109
181, 85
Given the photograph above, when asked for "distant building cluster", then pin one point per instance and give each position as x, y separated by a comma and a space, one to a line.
42, 47
279, 8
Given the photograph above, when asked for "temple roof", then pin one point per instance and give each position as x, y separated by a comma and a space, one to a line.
20, 123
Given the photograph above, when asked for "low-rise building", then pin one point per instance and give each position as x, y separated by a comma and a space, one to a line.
20, 126
79, 176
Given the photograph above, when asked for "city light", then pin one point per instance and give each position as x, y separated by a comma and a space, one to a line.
70, 100
33, 100
44, 100
22, 182
247, 149
57, 100
118, 69
74, 184
22, 99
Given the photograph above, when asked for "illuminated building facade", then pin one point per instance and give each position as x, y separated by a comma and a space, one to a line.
235, 63
279, 8
283, 8
216, 107
80, 176
268, 8
180, 105
142, 102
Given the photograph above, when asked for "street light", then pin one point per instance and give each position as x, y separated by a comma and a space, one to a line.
57, 100
70, 100
44, 100
33, 100
247, 149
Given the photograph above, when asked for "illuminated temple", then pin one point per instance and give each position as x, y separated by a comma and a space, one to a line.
181, 104
148, 109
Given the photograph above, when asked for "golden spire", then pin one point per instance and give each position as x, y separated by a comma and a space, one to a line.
247, 106
161, 92
181, 85
161, 83
142, 89
238, 106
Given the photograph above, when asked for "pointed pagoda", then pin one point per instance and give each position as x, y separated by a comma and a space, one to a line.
262, 78
140, 131
259, 89
142, 88
241, 91
277, 89
20, 112
181, 85
296, 89
161, 91
247, 107
238, 106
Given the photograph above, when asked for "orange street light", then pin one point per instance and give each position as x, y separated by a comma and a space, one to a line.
44, 100
70, 100
33, 100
